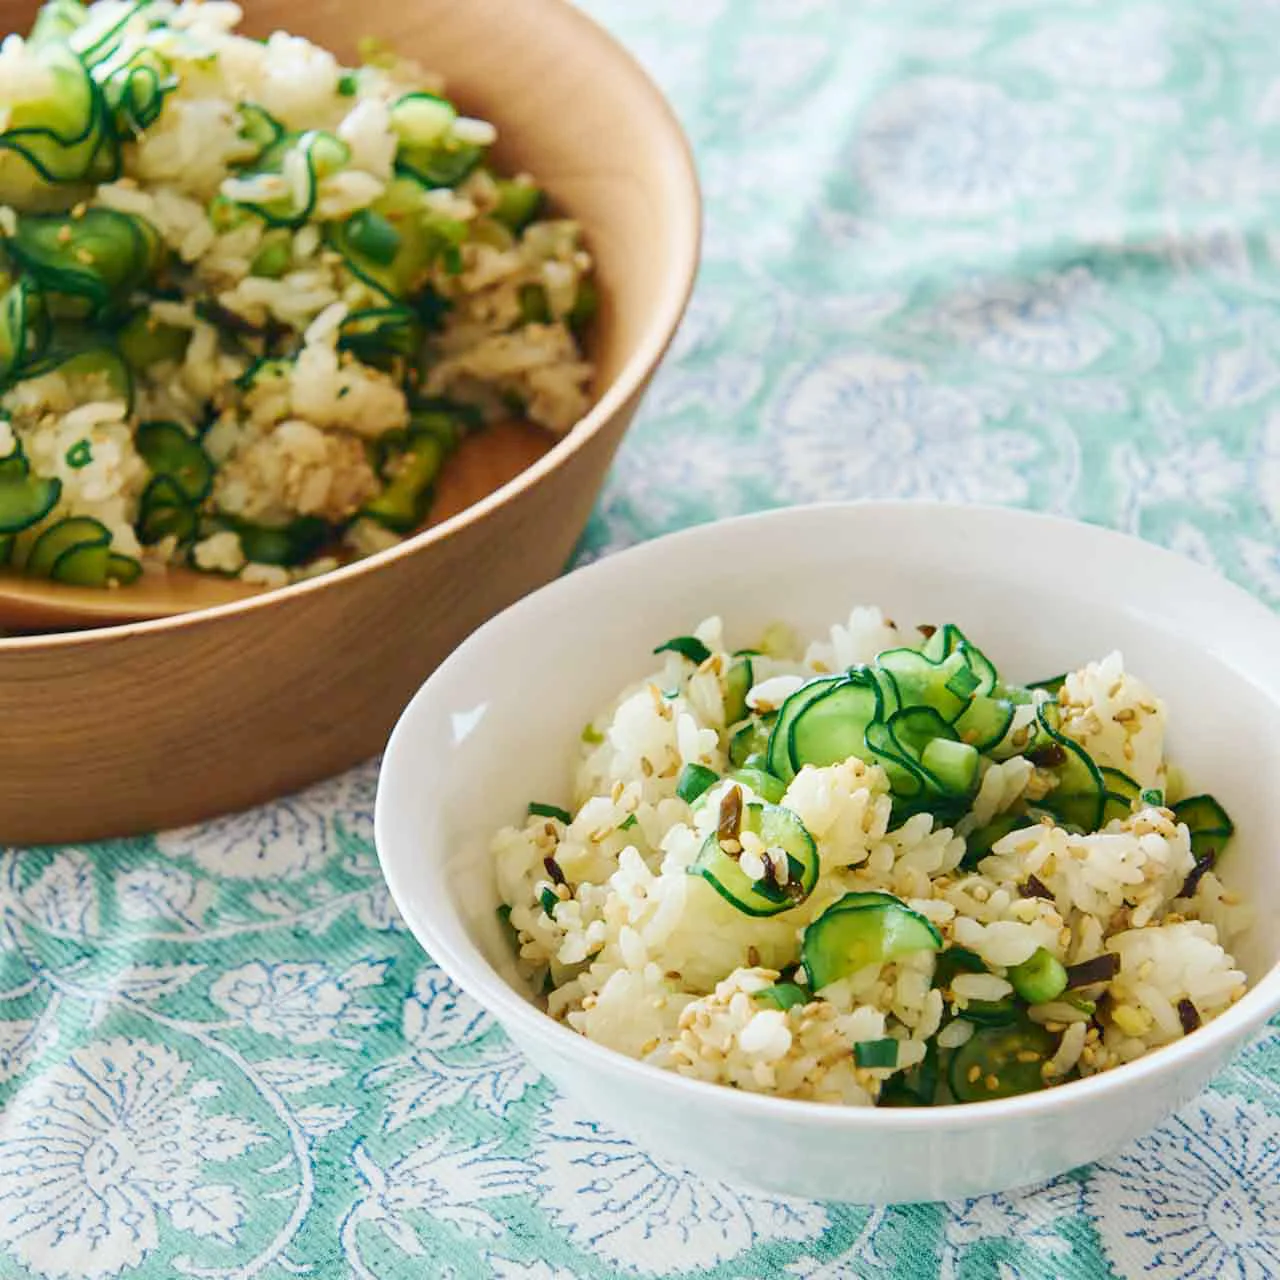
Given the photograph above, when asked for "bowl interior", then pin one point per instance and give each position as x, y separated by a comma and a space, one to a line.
498, 724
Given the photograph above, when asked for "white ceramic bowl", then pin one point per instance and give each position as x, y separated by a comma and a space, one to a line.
498, 722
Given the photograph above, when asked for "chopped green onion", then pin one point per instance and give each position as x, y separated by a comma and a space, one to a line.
373, 235
534, 307
876, 1054
517, 203
1039, 978
539, 810
694, 779
783, 995
592, 735
80, 454
273, 260
628, 822
687, 647
1153, 796
963, 683
348, 83
549, 901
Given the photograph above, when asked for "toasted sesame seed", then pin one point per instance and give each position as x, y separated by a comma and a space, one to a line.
1028, 1055
992, 1083
83, 255
975, 1074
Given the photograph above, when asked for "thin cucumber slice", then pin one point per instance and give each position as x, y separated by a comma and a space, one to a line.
1208, 823
258, 126
59, 134
376, 335
1001, 1062
831, 727
779, 747
428, 151
21, 328
988, 1013
1080, 797
25, 499
101, 256
403, 277
778, 828
985, 722
1052, 686
765, 785
288, 545
96, 372
1121, 792
950, 639
752, 739
72, 533
738, 681
95, 565
144, 341
135, 91
978, 843
945, 685
846, 938
169, 451
311, 156
165, 511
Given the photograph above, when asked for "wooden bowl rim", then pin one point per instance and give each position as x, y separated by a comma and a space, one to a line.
680, 272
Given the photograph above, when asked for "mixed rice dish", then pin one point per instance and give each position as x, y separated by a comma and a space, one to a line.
251, 298
870, 872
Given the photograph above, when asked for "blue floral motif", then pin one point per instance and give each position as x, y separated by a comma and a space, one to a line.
1198, 1198
638, 1213
303, 1002
900, 436
99, 1147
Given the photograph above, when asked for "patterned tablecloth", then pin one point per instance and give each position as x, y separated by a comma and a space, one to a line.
1009, 252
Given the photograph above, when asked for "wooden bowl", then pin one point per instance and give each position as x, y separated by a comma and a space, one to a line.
131, 728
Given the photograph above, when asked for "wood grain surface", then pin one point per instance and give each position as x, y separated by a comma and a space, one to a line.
131, 728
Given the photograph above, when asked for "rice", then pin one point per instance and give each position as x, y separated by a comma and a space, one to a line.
642, 944
330, 288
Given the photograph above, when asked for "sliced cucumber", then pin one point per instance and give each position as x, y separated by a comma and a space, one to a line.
752, 739
164, 511
25, 499
778, 750
777, 828
314, 155
1208, 823
1121, 792
1079, 799
738, 681
950, 639
1001, 1062
170, 451
832, 726
101, 256
69, 534
849, 936
765, 785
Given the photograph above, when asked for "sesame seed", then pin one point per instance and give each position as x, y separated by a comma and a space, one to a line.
1028, 1055
64, 234
992, 1083
83, 255
975, 1074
